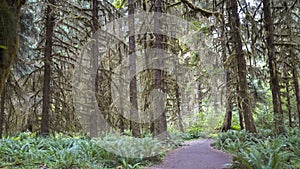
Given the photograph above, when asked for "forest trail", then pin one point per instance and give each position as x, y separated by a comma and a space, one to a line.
196, 154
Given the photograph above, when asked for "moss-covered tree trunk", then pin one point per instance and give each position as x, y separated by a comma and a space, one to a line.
228, 114
243, 94
272, 62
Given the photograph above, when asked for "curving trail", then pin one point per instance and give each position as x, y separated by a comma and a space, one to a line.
196, 154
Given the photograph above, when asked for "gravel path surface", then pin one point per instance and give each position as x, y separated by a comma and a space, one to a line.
196, 154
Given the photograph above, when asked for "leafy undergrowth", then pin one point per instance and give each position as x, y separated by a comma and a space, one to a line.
191, 133
263, 150
194, 133
65, 152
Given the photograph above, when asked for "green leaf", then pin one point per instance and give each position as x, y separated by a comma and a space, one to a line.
3, 47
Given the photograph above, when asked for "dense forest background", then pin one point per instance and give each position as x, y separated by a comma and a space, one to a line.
243, 67
257, 43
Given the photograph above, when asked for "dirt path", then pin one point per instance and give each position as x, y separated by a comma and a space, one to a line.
197, 154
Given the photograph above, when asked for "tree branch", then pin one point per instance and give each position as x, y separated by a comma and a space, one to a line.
204, 12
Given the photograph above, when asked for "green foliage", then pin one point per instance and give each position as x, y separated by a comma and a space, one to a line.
199, 128
263, 150
194, 133
131, 147
200, 26
26, 150
3, 47
263, 114
236, 127
118, 4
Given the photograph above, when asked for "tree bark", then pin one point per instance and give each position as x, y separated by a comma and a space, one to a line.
180, 121
243, 95
241, 116
295, 81
50, 22
2, 109
93, 128
297, 92
228, 115
134, 114
160, 124
288, 100
9, 40
274, 81
121, 95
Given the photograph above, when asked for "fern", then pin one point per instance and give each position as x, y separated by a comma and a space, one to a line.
261, 151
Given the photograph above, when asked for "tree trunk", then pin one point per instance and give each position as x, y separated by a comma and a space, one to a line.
297, 92
180, 121
134, 114
121, 95
57, 113
160, 124
9, 41
93, 128
50, 22
295, 80
241, 116
228, 115
243, 95
200, 96
2, 109
288, 100
274, 81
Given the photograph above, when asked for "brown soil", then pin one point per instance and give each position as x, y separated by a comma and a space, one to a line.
196, 154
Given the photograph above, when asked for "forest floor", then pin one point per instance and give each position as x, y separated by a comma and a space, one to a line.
196, 154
